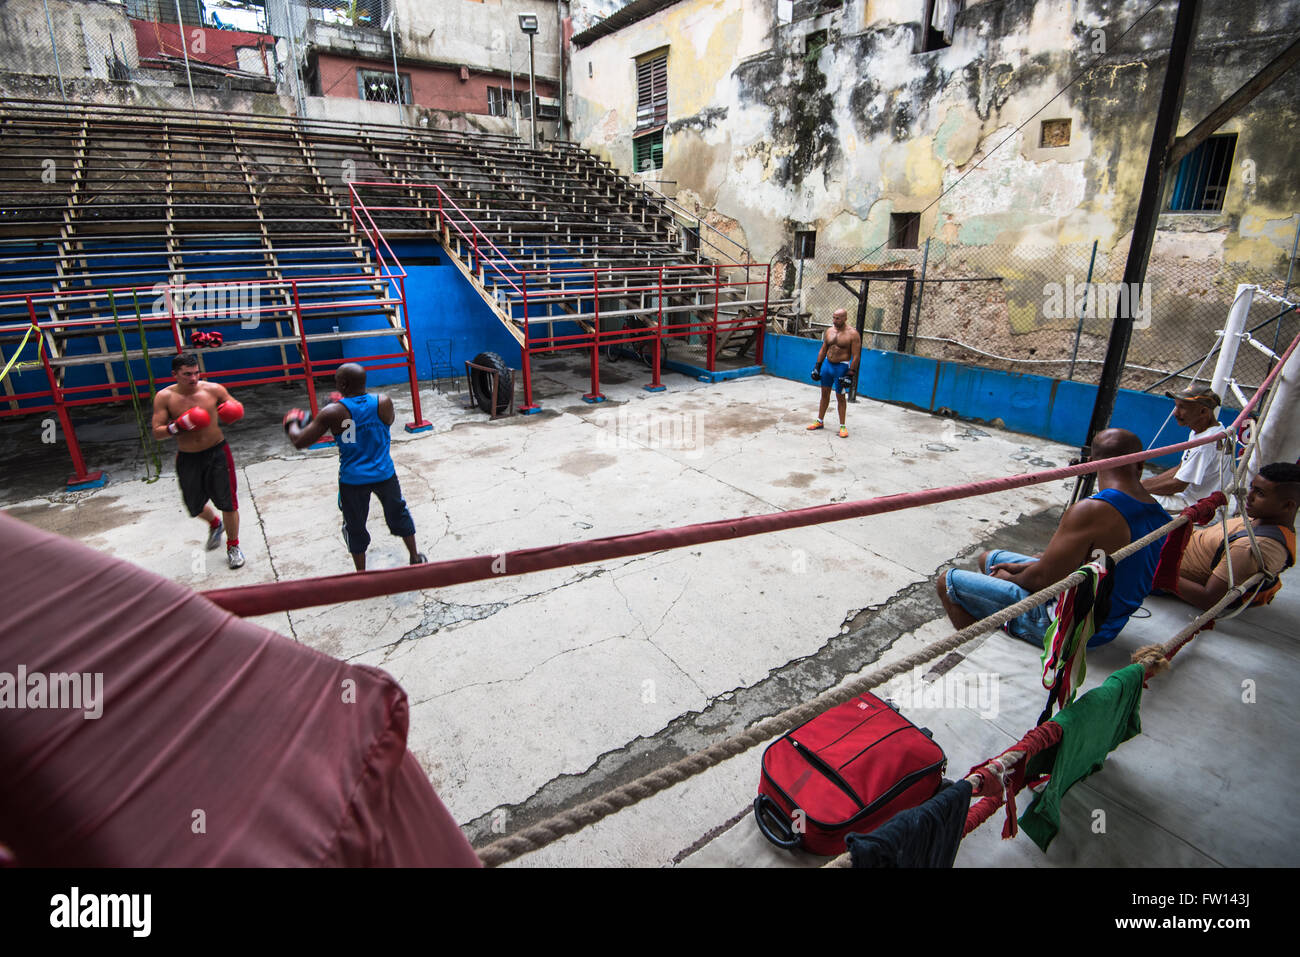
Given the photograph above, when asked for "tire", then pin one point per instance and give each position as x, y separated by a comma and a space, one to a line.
480, 383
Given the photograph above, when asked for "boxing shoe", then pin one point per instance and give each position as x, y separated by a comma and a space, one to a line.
234, 557
214, 536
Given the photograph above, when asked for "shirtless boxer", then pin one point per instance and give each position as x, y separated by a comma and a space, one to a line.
837, 367
194, 410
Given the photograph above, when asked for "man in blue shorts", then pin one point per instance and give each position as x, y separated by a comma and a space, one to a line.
359, 422
837, 367
1120, 513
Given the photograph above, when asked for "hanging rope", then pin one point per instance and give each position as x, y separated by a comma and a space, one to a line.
13, 360
144, 428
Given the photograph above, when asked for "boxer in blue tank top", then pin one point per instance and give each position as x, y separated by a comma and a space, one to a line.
1122, 512
359, 423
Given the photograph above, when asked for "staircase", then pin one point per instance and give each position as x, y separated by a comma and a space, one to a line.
567, 253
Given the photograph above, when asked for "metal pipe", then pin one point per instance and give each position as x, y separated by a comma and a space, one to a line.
920, 293
532, 90
514, 102
58, 70
1289, 269
180, 26
1144, 225
1083, 307
397, 77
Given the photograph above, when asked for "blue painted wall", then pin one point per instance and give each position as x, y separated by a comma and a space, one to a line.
449, 321
1053, 409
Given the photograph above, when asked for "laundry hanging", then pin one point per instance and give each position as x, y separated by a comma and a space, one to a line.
1091, 728
1171, 553
927, 835
1064, 657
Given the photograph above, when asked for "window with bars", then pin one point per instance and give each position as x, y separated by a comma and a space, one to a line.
1202, 177
648, 152
381, 87
499, 99
652, 92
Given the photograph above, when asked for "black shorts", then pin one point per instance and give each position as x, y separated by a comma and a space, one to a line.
207, 476
354, 501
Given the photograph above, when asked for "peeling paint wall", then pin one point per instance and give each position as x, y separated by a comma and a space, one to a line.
778, 133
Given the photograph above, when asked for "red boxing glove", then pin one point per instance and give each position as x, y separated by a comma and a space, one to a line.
336, 396
195, 418
230, 411
296, 417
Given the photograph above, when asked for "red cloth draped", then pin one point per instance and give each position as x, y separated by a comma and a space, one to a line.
219, 743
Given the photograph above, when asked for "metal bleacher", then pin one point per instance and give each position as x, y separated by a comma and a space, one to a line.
124, 232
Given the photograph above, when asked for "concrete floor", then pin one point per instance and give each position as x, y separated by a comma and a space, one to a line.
530, 694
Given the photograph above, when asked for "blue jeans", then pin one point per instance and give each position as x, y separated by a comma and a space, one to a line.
984, 595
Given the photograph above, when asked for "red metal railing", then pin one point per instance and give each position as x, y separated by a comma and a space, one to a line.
138, 323
485, 258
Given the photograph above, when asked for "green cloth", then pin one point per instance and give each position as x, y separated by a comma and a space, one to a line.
1091, 728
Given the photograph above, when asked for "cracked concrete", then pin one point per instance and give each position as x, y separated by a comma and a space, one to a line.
530, 693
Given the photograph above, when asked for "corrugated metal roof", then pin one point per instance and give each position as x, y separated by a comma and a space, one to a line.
634, 11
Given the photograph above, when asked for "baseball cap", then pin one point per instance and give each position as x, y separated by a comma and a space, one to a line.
1200, 394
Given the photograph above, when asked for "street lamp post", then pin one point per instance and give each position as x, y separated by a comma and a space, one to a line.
528, 24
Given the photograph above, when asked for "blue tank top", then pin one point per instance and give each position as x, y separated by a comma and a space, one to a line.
365, 459
1134, 574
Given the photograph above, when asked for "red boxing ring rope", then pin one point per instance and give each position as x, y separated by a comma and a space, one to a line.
249, 600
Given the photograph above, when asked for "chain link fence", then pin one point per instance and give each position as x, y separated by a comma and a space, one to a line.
1045, 310
177, 50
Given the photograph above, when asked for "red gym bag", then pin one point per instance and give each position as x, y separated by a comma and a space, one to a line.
848, 770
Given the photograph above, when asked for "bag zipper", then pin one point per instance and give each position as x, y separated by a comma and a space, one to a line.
827, 771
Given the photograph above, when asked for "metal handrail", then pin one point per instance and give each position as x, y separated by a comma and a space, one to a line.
700, 224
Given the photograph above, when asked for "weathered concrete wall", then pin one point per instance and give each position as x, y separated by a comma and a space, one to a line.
481, 34
149, 89
82, 32
840, 139
354, 110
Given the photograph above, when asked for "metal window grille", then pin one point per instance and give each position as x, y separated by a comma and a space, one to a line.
380, 88
1202, 178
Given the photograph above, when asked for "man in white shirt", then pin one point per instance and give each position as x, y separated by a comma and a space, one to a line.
1204, 469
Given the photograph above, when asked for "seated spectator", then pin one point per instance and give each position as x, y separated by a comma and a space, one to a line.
1121, 512
1271, 507
1205, 469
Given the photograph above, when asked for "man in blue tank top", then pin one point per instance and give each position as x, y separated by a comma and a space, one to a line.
1120, 513
359, 423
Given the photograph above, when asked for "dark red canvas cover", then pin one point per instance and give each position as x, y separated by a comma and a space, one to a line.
218, 742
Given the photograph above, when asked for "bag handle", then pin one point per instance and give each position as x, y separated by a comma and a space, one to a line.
771, 821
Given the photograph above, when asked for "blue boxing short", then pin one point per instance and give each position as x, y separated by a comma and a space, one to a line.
984, 595
832, 375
